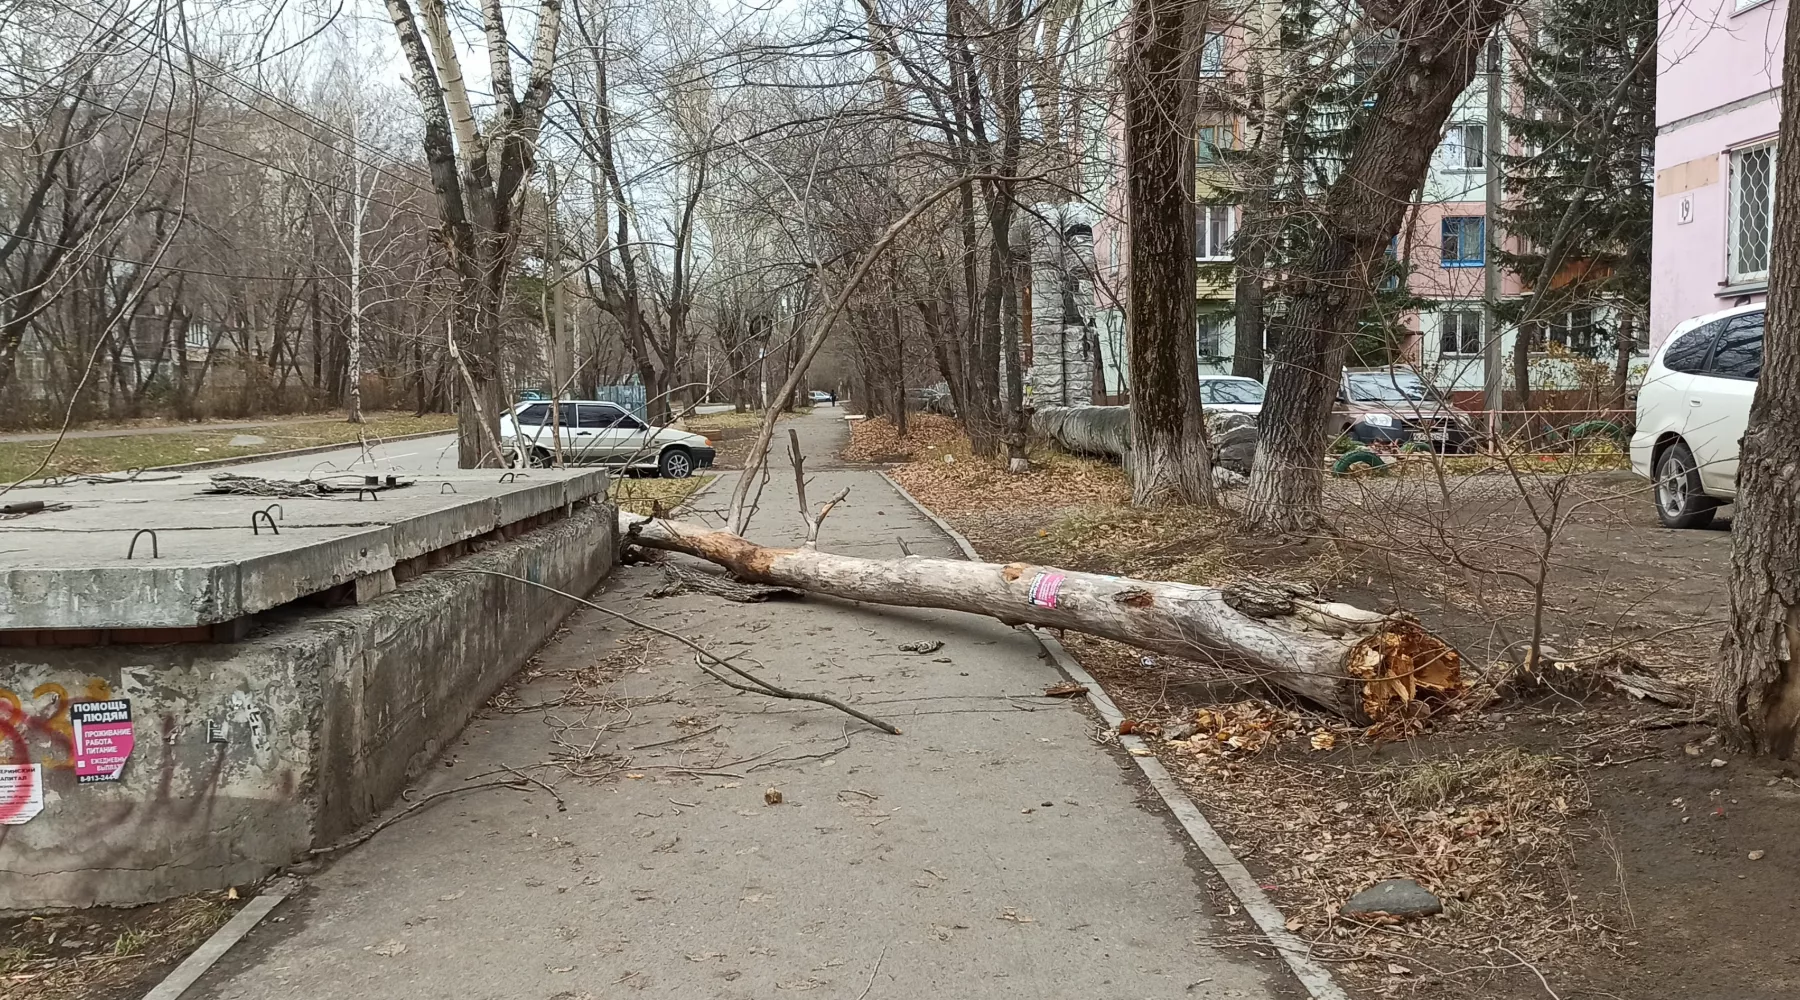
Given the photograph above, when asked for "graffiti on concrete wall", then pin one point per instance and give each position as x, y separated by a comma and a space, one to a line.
36, 729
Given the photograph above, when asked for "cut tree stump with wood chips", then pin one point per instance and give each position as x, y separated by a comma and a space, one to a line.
1360, 664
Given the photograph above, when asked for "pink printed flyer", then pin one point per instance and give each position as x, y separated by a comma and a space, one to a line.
103, 739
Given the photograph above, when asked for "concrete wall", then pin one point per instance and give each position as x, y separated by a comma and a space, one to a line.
248, 754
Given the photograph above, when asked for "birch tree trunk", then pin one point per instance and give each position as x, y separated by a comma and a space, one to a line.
1169, 462
359, 210
1359, 664
1757, 694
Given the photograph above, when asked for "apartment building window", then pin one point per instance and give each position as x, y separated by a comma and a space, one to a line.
1752, 214
1390, 267
1465, 146
1465, 241
1574, 330
195, 337
1213, 229
1212, 54
1211, 140
1209, 338
1459, 331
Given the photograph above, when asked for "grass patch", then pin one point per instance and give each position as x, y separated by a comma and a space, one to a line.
20, 459
1511, 775
130, 942
645, 495
700, 423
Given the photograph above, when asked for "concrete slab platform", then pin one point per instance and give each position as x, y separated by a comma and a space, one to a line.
74, 568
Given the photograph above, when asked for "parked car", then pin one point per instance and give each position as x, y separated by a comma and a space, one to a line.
1394, 406
602, 433
1692, 411
820, 397
1231, 394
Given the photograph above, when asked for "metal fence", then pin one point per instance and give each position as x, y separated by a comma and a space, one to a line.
629, 395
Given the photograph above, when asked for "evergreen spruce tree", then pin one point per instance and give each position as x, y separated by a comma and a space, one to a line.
1579, 180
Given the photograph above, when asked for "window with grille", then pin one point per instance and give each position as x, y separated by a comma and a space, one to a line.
1465, 146
1213, 229
196, 337
1465, 241
1459, 331
1212, 54
1752, 218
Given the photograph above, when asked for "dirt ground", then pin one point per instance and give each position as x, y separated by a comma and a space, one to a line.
1585, 845
105, 954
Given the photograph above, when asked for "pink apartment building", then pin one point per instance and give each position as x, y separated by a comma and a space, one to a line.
1717, 107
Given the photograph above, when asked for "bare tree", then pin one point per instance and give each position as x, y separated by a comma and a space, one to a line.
1169, 459
1758, 688
478, 173
1432, 49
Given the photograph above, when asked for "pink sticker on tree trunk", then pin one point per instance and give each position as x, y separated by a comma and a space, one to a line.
103, 739
1044, 589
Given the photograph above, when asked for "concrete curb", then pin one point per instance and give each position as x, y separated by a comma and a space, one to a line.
214, 948
213, 463
1312, 975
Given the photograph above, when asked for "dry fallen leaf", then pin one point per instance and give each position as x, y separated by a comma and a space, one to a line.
1756, 855
1065, 690
458, 894
634, 776
1013, 915
1396, 969
772, 796
1324, 740
231, 893
1127, 727
391, 949
1139, 752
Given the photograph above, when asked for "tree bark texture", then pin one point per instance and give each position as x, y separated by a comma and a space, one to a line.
1757, 693
1362, 665
1440, 44
1169, 465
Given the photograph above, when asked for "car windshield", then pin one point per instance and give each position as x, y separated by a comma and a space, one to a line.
1385, 387
1220, 391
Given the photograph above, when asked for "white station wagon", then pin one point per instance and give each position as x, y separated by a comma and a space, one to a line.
1692, 412
594, 431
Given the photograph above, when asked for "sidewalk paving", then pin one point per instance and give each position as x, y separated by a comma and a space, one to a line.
995, 849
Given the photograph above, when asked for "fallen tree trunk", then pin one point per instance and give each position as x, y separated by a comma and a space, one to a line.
1359, 664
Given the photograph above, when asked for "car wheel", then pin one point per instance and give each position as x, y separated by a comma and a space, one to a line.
1680, 503
540, 458
676, 463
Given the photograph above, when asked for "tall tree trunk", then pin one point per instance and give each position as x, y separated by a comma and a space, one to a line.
359, 207
1521, 363
1413, 94
1169, 460
1247, 339
1758, 689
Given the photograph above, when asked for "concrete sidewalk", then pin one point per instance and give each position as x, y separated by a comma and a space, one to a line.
996, 849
